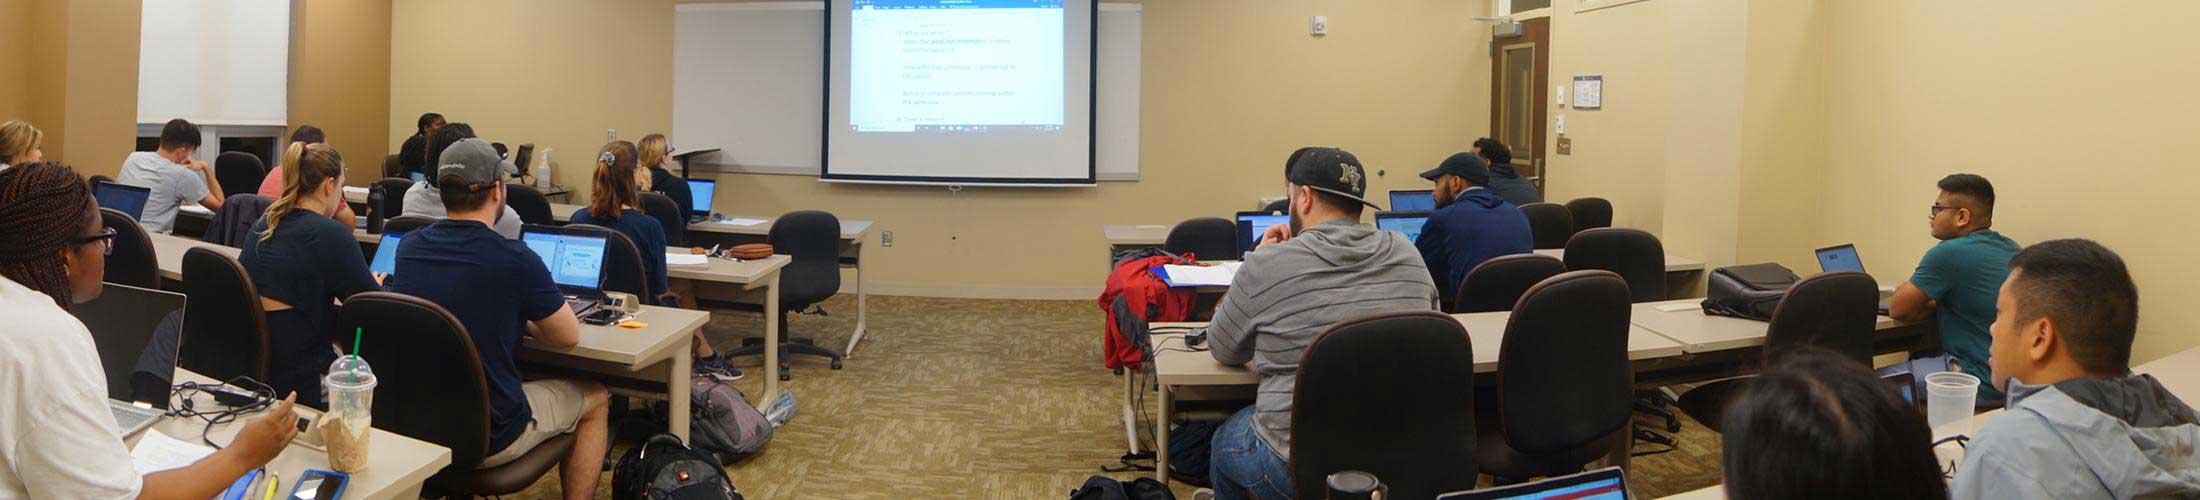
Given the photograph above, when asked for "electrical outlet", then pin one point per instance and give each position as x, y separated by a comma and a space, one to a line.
886, 238
610, 134
1319, 26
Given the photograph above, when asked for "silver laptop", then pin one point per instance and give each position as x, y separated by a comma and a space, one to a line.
124, 322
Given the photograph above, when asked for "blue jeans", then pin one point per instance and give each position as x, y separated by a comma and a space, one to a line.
1243, 466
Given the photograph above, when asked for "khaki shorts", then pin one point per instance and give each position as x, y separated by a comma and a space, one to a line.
557, 407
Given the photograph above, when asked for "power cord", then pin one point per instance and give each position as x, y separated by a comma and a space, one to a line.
239, 396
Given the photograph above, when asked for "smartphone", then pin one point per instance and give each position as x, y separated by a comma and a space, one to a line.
603, 317
320, 485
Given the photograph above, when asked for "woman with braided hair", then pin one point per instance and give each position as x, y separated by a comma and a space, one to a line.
57, 438
303, 261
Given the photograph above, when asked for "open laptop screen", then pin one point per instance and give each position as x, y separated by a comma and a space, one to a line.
704, 190
1250, 225
1408, 200
1601, 484
1840, 258
125, 198
574, 260
1407, 223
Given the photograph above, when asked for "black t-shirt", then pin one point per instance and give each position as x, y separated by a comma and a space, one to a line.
672, 186
494, 286
310, 262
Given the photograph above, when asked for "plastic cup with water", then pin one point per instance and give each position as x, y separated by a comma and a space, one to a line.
1949, 397
349, 423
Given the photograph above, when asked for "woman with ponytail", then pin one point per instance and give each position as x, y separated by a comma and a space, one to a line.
303, 261
54, 421
657, 164
614, 200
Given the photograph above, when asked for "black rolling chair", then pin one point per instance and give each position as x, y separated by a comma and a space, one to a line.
1835, 311
1277, 206
501, 150
812, 238
622, 263
239, 172
406, 224
531, 206
1206, 238
1386, 394
93, 182
668, 214
392, 196
225, 332
1550, 222
391, 167
1564, 389
1635, 255
432, 387
1590, 213
1497, 284
133, 262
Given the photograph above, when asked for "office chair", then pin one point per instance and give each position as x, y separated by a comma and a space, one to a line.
392, 202
531, 206
1278, 205
668, 214
1635, 255
1550, 223
1206, 238
232, 225
94, 180
1835, 311
623, 270
1498, 283
1386, 394
406, 224
431, 386
1590, 213
133, 262
1565, 391
391, 167
812, 238
225, 335
501, 150
239, 172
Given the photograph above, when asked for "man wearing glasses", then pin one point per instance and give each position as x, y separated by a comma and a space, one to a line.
1957, 281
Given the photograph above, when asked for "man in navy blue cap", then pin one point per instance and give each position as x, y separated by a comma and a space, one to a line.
1471, 223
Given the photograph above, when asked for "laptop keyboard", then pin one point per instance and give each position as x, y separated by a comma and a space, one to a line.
129, 417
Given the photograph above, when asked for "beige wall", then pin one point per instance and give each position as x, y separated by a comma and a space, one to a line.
2058, 103
1231, 87
340, 79
15, 45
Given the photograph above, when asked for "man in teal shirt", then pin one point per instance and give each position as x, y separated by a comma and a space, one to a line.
1957, 282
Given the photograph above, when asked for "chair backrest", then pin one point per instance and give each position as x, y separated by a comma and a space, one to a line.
232, 225
391, 167
1635, 255
1498, 283
430, 383
622, 263
1206, 238
1388, 394
1550, 222
239, 172
393, 196
531, 206
225, 335
499, 147
133, 262
1835, 311
812, 238
668, 214
1277, 206
1590, 213
1563, 381
406, 224
94, 180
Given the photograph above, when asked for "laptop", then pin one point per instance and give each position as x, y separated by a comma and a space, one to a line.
1407, 223
1408, 200
703, 190
1844, 258
1602, 484
1251, 224
575, 258
385, 254
122, 322
124, 198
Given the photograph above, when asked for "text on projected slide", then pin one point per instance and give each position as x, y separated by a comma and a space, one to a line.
955, 65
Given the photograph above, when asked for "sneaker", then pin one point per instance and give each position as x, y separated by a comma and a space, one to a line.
718, 368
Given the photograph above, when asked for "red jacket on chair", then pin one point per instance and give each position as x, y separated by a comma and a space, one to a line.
1148, 297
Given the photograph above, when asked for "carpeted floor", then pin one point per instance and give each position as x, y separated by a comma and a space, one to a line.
952, 398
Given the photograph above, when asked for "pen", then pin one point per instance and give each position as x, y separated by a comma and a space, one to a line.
273, 480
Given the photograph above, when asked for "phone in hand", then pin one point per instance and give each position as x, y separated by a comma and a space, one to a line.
320, 485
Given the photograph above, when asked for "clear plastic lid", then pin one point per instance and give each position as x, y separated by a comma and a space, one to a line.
351, 372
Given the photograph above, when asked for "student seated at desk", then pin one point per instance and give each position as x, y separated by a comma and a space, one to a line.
500, 291
657, 157
174, 177
22, 143
303, 261
425, 198
2079, 424
57, 437
1505, 179
611, 204
1956, 282
1817, 425
413, 155
1471, 223
1323, 267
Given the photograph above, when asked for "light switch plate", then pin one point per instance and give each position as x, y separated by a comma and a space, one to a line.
1319, 26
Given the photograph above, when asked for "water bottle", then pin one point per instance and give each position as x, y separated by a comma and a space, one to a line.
542, 169
349, 423
374, 209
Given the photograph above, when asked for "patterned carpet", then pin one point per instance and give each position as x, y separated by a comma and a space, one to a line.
952, 398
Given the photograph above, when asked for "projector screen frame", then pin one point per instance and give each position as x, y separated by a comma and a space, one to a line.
1092, 126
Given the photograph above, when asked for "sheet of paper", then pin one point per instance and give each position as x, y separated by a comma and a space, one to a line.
684, 259
195, 209
1215, 275
158, 452
358, 190
743, 222
1680, 307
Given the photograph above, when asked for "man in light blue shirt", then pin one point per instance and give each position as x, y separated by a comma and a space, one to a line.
173, 177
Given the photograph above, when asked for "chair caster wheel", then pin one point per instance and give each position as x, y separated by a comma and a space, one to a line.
784, 376
836, 364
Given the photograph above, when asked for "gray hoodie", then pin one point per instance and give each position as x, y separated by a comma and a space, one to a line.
1287, 293
425, 200
2085, 438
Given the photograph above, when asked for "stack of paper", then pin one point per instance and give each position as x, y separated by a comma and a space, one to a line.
686, 260
157, 452
358, 190
742, 221
1191, 276
196, 209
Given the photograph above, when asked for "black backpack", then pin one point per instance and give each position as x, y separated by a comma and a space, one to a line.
1748, 292
1106, 488
664, 469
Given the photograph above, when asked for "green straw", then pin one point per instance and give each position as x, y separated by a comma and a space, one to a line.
355, 333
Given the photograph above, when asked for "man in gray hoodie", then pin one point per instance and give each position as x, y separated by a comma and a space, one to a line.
2078, 423
1324, 267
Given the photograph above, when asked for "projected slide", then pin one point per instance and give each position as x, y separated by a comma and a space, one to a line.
955, 65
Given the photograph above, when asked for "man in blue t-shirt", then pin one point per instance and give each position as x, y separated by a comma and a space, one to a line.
1957, 281
502, 292
1471, 224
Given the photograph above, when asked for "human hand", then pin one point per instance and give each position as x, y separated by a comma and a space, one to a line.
1275, 234
265, 437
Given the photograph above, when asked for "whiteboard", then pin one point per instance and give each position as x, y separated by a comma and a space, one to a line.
748, 78
221, 62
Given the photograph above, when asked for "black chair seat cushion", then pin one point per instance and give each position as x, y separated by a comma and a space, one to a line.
1500, 460
1708, 403
518, 474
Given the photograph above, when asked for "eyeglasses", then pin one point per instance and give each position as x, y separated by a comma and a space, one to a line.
1937, 208
106, 238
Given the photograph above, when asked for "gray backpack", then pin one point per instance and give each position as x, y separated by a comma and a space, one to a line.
724, 423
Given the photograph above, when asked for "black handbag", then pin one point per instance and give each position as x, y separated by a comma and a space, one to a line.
1749, 292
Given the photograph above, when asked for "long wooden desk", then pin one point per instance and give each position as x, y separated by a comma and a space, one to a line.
397, 466
1685, 322
1126, 236
357, 195
168, 251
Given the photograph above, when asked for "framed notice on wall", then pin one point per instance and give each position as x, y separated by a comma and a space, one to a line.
1589, 92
